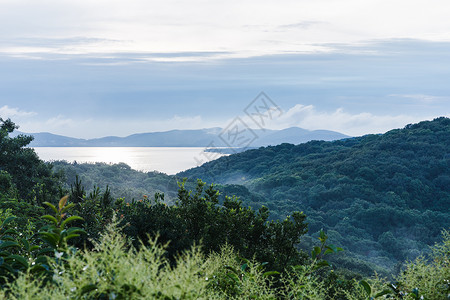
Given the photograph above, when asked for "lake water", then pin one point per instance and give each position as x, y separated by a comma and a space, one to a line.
169, 160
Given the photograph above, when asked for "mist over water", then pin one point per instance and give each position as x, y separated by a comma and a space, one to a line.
169, 160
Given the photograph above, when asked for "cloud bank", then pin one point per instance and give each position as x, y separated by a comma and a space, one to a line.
12, 112
240, 28
308, 117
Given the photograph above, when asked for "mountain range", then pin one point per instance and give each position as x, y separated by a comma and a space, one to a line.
211, 137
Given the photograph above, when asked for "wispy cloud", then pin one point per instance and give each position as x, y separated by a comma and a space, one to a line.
354, 124
168, 26
112, 52
300, 25
12, 112
421, 97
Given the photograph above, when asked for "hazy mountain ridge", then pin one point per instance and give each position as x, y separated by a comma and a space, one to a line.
185, 138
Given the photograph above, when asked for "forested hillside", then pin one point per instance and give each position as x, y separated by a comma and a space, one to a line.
384, 197
123, 181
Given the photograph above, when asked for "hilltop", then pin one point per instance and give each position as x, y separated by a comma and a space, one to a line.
385, 197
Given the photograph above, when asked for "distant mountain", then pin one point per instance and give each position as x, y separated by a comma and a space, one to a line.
46, 139
186, 138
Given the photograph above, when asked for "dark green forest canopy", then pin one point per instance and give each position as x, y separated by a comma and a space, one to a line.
383, 196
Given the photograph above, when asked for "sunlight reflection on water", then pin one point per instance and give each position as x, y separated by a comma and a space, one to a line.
169, 160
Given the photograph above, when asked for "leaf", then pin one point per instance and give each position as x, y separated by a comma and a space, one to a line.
8, 238
10, 231
315, 252
71, 236
75, 229
322, 236
32, 248
26, 244
8, 220
233, 276
41, 260
261, 266
321, 264
21, 260
328, 251
63, 202
67, 207
332, 248
271, 273
51, 219
8, 244
51, 206
45, 250
366, 287
244, 266
50, 238
71, 219
7, 267
38, 269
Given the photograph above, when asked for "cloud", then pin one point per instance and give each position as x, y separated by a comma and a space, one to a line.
421, 97
300, 25
62, 122
10, 112
308, 117
199, 25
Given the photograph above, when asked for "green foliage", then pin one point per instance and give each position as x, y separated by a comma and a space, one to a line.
115, 270
58, 233
123, 181
31, 177
428, 277
5, 182
238, 278
94, 209
21, 251
198, 217
424, 278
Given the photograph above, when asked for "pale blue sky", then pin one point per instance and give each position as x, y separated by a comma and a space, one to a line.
117, 68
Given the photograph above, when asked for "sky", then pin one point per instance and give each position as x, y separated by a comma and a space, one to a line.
99, 68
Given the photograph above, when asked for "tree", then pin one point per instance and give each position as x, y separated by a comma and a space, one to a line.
32, 177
